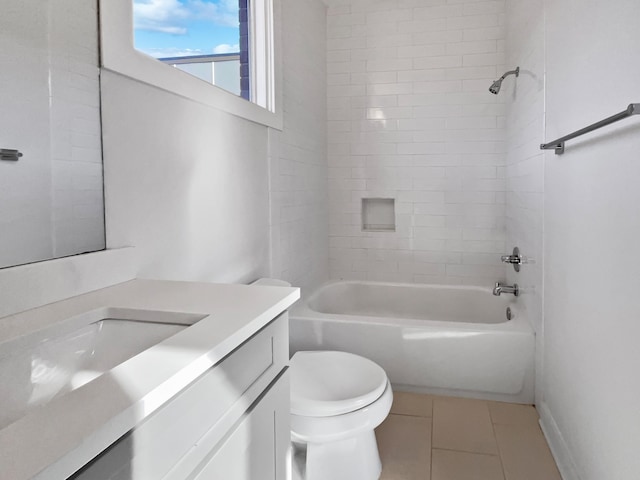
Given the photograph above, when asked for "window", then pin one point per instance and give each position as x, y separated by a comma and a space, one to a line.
208, 39
228, 43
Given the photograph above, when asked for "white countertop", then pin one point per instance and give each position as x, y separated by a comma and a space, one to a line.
54, 440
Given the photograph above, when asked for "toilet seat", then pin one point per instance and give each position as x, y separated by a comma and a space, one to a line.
339, 427
328, 383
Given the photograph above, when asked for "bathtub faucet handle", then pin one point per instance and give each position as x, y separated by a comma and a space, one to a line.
514, 259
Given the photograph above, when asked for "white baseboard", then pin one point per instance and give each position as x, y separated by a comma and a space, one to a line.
558, 446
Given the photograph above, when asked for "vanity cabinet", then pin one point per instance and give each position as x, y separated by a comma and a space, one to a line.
231, 423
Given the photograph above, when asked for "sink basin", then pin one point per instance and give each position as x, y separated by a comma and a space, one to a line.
38, 371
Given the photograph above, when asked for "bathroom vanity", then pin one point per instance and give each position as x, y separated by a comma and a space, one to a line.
148, 380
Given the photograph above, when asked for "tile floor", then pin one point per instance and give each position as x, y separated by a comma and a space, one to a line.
443, 438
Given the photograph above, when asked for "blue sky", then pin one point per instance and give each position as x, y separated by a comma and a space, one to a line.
173, 28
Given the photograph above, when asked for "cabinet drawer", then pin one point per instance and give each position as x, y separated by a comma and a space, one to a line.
258, 448
152, 449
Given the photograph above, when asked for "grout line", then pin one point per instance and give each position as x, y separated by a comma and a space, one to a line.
467, 451
409, 415
405, 415
495, 437
433, 406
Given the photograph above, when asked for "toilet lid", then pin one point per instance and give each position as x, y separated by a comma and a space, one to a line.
326, 383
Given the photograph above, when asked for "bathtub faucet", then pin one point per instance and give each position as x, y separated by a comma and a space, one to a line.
502, 288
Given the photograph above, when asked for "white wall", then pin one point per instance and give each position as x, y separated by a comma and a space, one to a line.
186, 184
189, 185
298, 164
411, 118
590, 383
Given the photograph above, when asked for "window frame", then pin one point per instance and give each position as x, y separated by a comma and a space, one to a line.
119, 55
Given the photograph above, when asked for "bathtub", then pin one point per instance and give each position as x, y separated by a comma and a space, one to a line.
446, 340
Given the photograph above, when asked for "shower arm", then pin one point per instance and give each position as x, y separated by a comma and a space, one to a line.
515, 72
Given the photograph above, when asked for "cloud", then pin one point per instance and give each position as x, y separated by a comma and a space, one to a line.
224, 12
173, 16
226, 48
167, 16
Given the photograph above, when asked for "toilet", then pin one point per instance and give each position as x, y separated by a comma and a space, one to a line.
337, 400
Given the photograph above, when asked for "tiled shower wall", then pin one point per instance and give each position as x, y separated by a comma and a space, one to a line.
410, 118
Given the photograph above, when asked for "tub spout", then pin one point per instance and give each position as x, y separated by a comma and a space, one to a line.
502, 288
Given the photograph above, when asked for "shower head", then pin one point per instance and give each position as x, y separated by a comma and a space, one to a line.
495, 87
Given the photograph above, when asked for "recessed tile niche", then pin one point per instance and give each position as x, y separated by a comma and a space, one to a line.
378, 214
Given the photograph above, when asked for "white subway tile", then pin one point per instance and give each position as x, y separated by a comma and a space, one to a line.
472, 21
338, 56
421, 75
439, 11
378, 149
421, 124
471, 122
483, 59
350, 66
437, 87
421, 148
429, 244
374, 78
346, 43
390, 15
482, 8
430, 110
337, 9
437, 257
437, 62
397, 40
382, 113
466, 73
436, 34
477, 46
414, 51
338, 79
385, 65
338, 31
419, 3
389, 88
488, 33
423, 268
475, 271
430, 220
423, 131
432, 197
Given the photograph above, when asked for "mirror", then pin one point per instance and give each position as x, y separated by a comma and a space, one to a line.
51, 182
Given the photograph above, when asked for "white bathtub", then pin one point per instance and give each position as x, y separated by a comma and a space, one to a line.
428, 338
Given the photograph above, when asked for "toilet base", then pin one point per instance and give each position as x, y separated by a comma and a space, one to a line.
348, 459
